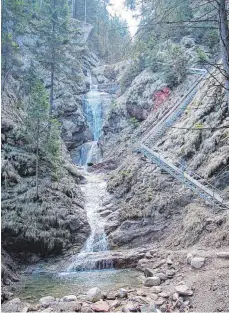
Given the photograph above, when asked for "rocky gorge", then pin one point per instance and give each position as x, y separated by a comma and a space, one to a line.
113, 231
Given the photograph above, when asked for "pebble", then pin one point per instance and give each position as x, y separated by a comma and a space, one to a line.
197, 262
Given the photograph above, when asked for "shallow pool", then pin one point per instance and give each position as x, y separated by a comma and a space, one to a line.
34, 286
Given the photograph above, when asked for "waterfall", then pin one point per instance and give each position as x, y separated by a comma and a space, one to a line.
93, 112
94, 189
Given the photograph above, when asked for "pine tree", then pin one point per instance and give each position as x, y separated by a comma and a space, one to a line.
53, 30
37, 119
14, 20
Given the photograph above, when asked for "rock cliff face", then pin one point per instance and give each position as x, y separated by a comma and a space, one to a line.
71, 82
148, 204
57, 220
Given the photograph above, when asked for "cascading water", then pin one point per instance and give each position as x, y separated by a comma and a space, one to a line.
94, 191
94, 115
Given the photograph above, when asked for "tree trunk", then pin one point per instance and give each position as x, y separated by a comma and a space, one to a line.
52, 89
85, 11
224, 41
37, 156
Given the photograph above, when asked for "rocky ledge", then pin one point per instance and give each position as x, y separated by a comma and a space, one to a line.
169, 281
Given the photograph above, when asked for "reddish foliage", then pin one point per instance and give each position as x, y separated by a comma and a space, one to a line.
160, 96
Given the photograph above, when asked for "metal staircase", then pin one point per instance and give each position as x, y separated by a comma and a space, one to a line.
204, 190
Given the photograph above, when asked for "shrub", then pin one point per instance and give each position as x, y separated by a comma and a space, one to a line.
128, 76
176, 62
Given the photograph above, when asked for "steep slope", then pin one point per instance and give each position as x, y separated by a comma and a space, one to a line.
54, 222
149, 204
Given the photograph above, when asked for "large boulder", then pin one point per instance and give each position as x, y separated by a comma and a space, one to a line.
14, 305
46, 301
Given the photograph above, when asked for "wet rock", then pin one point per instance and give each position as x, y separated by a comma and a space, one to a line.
94, 294
148, 272
101, 306
141, 279
223, 255
123, 293
14, 305
82, 297
46, 301
183, 290
197, 262
69, 298
152, 281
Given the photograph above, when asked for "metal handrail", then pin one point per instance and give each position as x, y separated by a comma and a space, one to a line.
204, 189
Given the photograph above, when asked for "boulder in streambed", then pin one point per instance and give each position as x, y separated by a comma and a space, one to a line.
101, 306
94, 294
69, 298
152, 281
46, 301
14, 305
122, 293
